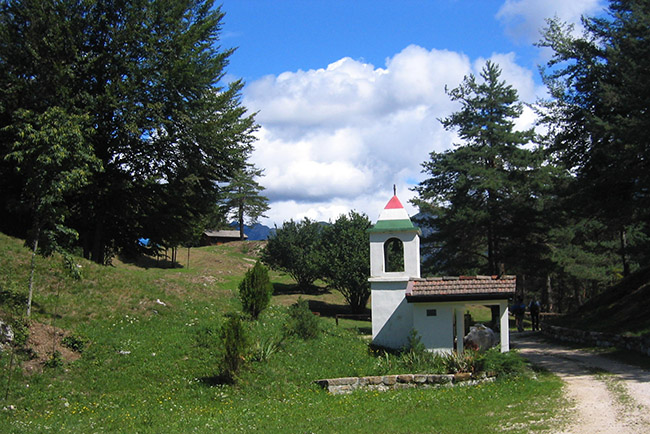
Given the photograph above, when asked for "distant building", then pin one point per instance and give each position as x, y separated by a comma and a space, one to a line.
434, 307
211, 238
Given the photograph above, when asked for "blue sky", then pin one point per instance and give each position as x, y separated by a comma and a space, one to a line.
348, 92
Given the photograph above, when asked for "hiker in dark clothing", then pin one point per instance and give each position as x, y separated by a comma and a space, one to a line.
519, 310
533, 308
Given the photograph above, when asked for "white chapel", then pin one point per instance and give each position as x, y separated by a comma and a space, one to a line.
434, 307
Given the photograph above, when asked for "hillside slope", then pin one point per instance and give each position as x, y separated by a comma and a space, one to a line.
624, 308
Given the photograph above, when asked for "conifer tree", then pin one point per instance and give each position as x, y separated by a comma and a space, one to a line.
480, 196
243, 199
255, 290
598, 119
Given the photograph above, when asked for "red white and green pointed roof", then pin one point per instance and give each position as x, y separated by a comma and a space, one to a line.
394, 218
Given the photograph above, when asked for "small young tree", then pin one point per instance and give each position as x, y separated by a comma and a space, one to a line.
255, 290
235, 343
302, 322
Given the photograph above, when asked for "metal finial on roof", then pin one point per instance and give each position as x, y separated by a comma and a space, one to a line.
394, 190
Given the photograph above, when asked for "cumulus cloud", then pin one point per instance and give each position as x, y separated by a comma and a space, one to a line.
525, 18
338, 138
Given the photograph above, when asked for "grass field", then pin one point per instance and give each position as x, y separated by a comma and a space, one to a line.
151, 362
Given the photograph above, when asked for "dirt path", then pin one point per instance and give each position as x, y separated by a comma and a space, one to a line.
608, 396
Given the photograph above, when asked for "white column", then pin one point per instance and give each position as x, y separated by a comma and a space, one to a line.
460, 327
505, 326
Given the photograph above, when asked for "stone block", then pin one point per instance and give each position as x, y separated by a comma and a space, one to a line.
419, 378
370, 380
343, 381
389, 380
462, 376
439, 379
405, 378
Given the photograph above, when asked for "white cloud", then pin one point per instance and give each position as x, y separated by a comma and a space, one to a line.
337, 138
524, 19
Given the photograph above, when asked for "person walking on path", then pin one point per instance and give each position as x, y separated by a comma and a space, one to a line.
533, 308
519, 310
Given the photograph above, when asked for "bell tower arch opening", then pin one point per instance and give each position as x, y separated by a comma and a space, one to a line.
393, 255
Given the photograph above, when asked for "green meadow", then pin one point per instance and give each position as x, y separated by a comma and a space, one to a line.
150, 359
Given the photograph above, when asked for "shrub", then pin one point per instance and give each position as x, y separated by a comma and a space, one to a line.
235, 344
265, 347
509, 363
75, 343
255, 290
302, 322
55, 360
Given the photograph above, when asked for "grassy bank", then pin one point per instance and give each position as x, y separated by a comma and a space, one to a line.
151, 361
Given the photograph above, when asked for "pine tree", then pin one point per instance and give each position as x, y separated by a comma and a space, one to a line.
255, 290
242, 198
479, 198
599, 117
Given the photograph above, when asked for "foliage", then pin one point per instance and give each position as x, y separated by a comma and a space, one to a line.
55, 360
235, 345
265, 347
135, 88
510, 363
345, 253
294, 248
598, 119
480, 197
75, 343
255, 290
301, 321
12, 305
242, 198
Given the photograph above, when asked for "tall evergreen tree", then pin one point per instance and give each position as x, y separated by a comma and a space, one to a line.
146, 77
599, 117
242, 199
480, 197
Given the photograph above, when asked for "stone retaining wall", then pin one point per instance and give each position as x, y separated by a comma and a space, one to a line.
599, 339
404, 381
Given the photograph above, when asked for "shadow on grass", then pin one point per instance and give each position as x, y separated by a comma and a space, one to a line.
331, 310
216, 380
292, 289
146, 262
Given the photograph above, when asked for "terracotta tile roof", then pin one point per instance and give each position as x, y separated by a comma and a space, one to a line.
460, 288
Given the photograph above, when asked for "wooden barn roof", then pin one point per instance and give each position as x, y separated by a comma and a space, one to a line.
460, 288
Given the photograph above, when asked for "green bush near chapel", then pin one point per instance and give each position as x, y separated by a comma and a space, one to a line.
302, 322
255, 290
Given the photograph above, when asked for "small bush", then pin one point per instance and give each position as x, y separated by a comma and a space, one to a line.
55, 360
509, 363
302, 322
235, 344
265, 348
75, 343
255, 290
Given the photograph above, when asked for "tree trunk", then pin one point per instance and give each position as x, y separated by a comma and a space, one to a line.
626, 265
241, 221
31, 271
98, 253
